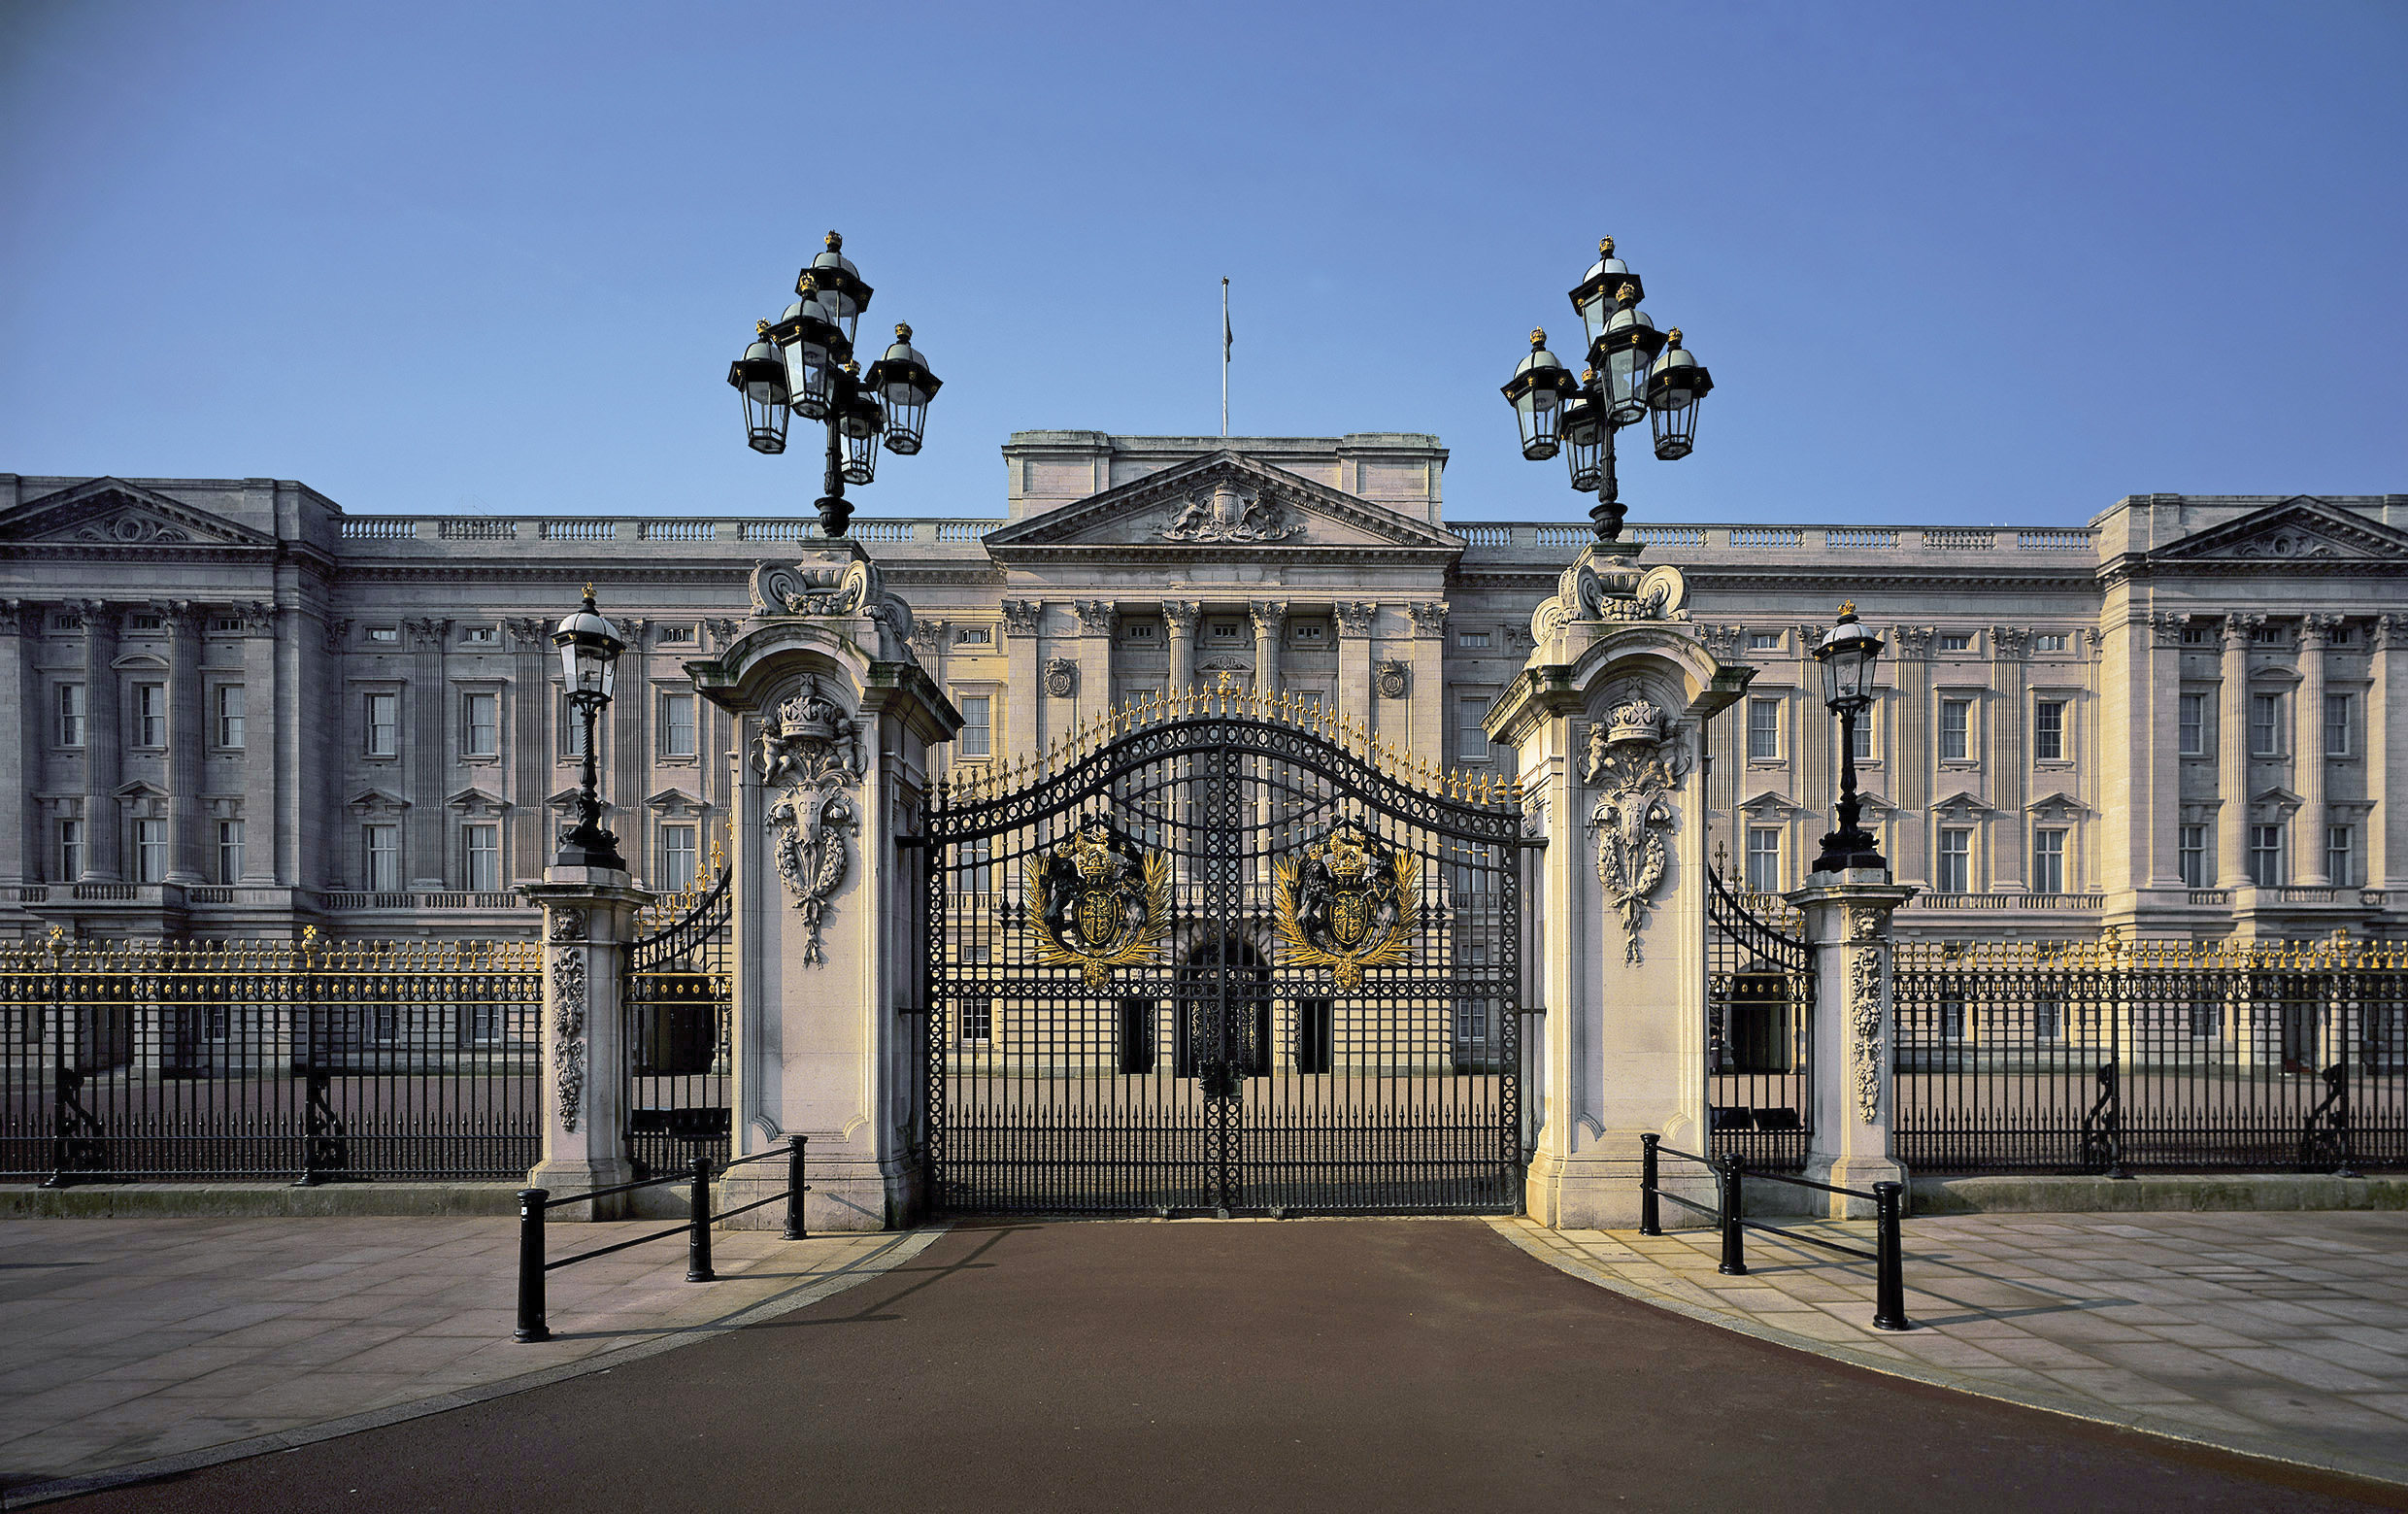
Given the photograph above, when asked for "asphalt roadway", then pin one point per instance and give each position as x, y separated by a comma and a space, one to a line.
1276, 1365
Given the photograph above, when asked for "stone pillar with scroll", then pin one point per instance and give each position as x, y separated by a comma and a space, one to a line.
835, 719
588, 919
1851, 1046
1606, 727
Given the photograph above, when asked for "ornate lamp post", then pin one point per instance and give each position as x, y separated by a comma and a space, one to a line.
589, 648
1848, 653
804, 365
1634, 371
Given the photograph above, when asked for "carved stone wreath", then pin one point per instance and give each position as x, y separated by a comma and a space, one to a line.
568, 1029
1637, 766
1392, 679
809, 760
1062, 678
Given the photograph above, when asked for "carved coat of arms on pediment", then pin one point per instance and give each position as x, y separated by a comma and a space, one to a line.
1226, 513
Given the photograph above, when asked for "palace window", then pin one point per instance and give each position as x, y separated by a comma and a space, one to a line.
572, 728
2190, 724
230, 702
1956, 731
479, 636
2341, 856
1315, 632
222, 623
381, 845
2339, 710
2194, 635
1477, 640
383, 724
677, 726
229, 850
2049, 730
1471, 738
1955, 641
1764, 641
2047, 1018
1862, 740
482, 845
144, 622
973, 636
680, 862
978, 731
149, 851
2048, 861
2270, 636
1763, 730
1763, 859
2266, 856
978, 1020
2190, 856
1956, 870
2048, 641
70, 850
149, 714
384, 633
71, 715
1226, 630
677, 636
1140, 630
480, 724
2265, 726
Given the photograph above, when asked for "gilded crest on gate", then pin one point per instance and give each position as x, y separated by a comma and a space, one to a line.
1350, 903
1101, 904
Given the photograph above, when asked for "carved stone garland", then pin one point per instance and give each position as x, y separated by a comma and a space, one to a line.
1637, 766
1865, 1017
568, 1030
810, 760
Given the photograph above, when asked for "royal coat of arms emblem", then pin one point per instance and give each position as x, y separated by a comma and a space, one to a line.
1101, 904
1349, 904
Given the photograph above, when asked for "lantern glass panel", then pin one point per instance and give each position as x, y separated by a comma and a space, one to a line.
765, 422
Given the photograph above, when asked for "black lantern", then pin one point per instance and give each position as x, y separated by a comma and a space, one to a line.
1848, 653
759, 380
589, 648
904, 386
1536, 391
813, 343
1633, 371
1674, 388
1583, 430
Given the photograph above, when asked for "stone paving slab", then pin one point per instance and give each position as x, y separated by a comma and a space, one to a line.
2281, 1334
126, 1342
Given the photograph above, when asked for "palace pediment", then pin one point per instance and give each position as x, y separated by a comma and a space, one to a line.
2304, 530
1221, 505
107, 513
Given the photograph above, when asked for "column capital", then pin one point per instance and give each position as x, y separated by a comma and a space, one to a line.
1095, 616
1182, 613
1912, 641
2240, 625
2389, 633
1021, 616
2167, 627
2315, 630
1269, 615
427, 630
1429, 616
258, 617
1356, 615
19, 618
2010, 643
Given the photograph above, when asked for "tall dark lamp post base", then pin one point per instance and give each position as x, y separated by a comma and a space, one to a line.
835, 511
600, 849
1842, 852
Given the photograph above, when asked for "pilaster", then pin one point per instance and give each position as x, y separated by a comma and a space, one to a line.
2308, 754
20, 752
530, 754
2232, 753
263, 709
430, 753
104, 745
1179, 622
1427, 697
2154, 826
187, 722
1093, 658
1024, 731
2010, 759
1356, 693
2386, 754
1270, 617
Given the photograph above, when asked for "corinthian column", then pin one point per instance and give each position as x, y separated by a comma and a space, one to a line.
188, 718
1179, 617
2307, 763
2232, 755
1270, 618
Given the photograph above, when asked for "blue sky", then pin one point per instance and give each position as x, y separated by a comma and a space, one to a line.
1948, 262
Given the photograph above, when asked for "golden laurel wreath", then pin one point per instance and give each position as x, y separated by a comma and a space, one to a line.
1129, 942
1382, 948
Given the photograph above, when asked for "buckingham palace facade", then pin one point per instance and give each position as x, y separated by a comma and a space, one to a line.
240, 711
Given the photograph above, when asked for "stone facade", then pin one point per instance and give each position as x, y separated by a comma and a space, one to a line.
242, 711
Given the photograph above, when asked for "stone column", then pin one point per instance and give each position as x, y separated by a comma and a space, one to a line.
1178, 622
1427, 695
430, 754
187, 726
1270, 623
2156, 822
1355, 693
1022, 731
319, 846
263, 730
532, 659
1911, 748
2387, 748
2009, 759
588, 917
104, 738
836, 722
1607, 728
23, 837
1847, 923
631, 751
2308, 757
1093, 658
2232, 755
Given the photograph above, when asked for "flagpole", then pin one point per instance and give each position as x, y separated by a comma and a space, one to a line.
1224, 356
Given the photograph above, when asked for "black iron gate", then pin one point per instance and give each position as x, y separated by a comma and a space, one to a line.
1216, 957
676, 997
1759, 1006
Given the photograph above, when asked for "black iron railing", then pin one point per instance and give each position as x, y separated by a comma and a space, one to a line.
1730, 1176
534, 1202
1759, 1008
680, 1049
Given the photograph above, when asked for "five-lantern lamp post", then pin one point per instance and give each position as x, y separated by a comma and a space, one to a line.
803, 365
589, 648
1634, 372
1848, 653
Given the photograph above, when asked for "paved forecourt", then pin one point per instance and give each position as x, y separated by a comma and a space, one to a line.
127, 1342
2279, 1335
1401, 1364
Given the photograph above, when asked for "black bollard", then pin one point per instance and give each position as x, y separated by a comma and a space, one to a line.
1734, 1242
1651, 1219
1889, 1261
797, 1227
531, 1326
